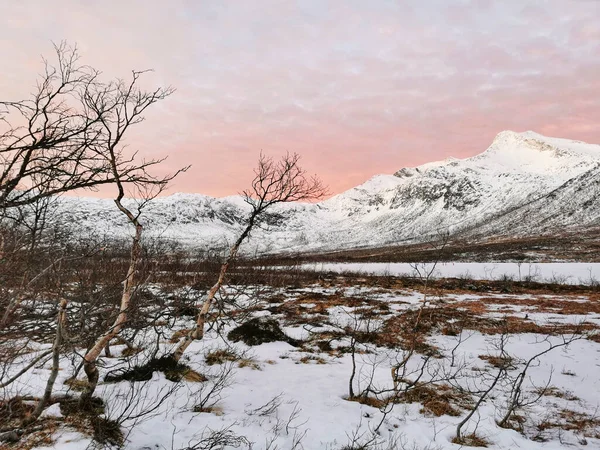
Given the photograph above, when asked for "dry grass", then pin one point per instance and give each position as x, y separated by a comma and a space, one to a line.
308, 359
553, 391
373, 402
499, 362
178, 335
89, 420
249, 362
15, 410
295, 311
515, 422
581, 423
192, 376
220, 356
471, 440
411, 328
76, 384
43, 436
131, 351
564, 305
437, 399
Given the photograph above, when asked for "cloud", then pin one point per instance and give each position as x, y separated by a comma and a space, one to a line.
357, 88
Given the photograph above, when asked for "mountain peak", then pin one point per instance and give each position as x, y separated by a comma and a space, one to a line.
506, 135
509, 137
530, 144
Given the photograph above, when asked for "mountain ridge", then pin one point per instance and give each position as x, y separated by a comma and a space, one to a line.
479, 197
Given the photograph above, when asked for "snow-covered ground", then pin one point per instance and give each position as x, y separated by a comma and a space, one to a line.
561, 272
310, 389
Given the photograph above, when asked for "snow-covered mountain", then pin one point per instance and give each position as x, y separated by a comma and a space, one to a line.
524, 184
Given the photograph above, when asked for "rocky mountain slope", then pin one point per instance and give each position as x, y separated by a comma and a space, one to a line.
524, 184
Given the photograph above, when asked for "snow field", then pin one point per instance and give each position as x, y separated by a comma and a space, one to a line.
312, 407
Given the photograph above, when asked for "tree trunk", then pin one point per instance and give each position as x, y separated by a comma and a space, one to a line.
351, 381
60, 322
89, 360
197, 333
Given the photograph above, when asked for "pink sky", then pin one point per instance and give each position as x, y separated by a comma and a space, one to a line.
356, 87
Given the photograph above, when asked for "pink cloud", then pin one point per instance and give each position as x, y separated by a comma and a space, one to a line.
357, 88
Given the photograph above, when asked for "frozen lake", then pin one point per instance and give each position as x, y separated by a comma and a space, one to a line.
566, 273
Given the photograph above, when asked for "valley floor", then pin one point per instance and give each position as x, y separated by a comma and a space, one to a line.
449, 344
553, 273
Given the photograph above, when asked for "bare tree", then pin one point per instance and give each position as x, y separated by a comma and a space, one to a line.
485, 391
274, 182
147, 193
71, 135
59, 139
518, 399
426, 271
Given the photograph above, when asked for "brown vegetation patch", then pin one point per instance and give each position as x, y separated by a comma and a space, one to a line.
500, 362
553, 391
87, 419
77, 384
451, 318
216, 410
106, 431
514, 422
471, 440
296, 313
581, 423
15, 410
554, 304
193, 377
411, 328
220, 356
276, 298
373, 402
307, 359
131, 351
249, 362
183, 307
437, 399
178, 335
40, 436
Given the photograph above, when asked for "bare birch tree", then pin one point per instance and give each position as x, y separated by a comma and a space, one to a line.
274, 182
56, 141
129, 103
70, 135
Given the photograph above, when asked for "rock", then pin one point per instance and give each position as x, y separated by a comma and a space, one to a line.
52, 411
259, 331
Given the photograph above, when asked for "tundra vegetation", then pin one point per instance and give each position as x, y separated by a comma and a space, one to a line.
141, 344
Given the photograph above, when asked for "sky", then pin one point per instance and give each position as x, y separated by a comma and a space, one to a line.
356, 87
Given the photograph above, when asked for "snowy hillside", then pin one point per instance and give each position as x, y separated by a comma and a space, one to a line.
523, 184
